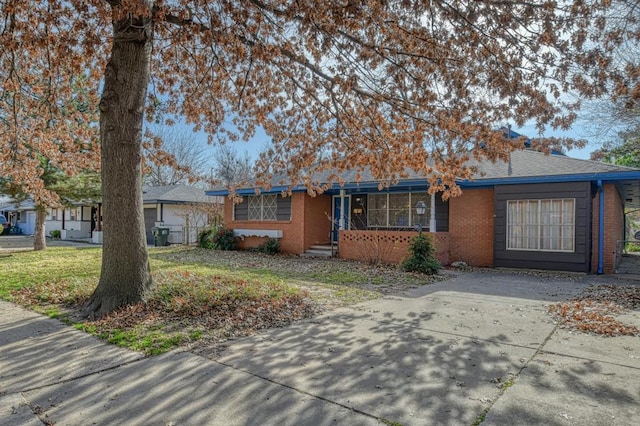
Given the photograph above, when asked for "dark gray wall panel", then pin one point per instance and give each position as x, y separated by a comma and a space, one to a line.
578, 261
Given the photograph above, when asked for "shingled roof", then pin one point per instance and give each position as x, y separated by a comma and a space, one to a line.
177, 194
528, 163
525, 166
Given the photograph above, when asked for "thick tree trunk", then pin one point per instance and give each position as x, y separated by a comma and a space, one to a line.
125, 277
39, 240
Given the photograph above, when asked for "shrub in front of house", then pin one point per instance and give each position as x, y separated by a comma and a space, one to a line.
270, 246
217, 239
56, 233
205, 238
422, 256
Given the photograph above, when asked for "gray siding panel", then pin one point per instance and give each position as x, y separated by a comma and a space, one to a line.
578, 261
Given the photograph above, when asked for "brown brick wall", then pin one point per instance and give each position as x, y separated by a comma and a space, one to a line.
308, 225
471, 227
292, 240
386, 246
613, 228
317, 215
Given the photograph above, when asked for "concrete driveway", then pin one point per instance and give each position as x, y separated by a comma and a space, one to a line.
478, 348
452, 351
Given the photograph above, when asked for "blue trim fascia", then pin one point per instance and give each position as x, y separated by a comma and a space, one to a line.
350, 187
353, 187
604, 177
415, 184
251, 191
217, 192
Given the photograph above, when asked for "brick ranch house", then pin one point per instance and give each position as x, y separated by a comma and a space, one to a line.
536, 211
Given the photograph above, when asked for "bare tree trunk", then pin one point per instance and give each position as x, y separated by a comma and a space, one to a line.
39, 240
126, 276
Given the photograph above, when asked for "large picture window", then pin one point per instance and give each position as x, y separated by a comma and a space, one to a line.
264, 207
395, 210
541, 225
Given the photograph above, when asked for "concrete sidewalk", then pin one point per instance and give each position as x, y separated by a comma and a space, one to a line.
18, 243
444, 354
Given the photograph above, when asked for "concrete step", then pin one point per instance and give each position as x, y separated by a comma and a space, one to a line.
315, 254
320, 251
322, 247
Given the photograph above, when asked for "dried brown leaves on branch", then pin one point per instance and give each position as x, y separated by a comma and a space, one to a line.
51, 60
336, 85
387, 86
597, 310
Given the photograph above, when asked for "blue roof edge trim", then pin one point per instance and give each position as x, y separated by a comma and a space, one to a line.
252, 191
604, 176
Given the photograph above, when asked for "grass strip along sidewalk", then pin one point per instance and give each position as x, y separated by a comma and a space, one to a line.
200, 297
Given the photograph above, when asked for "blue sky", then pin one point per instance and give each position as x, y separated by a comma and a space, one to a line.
260, 140
578, 132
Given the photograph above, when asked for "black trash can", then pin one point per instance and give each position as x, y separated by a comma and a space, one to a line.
160, 236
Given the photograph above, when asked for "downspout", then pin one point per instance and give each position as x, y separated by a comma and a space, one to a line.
601, 229
341, 223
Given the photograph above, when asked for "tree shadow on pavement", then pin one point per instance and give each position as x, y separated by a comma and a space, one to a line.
444, 358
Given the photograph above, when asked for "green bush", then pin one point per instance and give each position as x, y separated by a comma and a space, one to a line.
422, 256
218, 239
633, 247
205, 238
55, 233
270, 246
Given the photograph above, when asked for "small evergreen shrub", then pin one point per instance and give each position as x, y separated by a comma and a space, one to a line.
217, 239
205, 238
223, 239
421, 256
55, 233
270, 246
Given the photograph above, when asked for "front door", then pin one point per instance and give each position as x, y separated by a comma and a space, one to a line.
336, 215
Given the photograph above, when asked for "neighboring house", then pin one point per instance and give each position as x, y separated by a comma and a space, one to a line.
21, 215
181, 208
76, 222
544, 212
